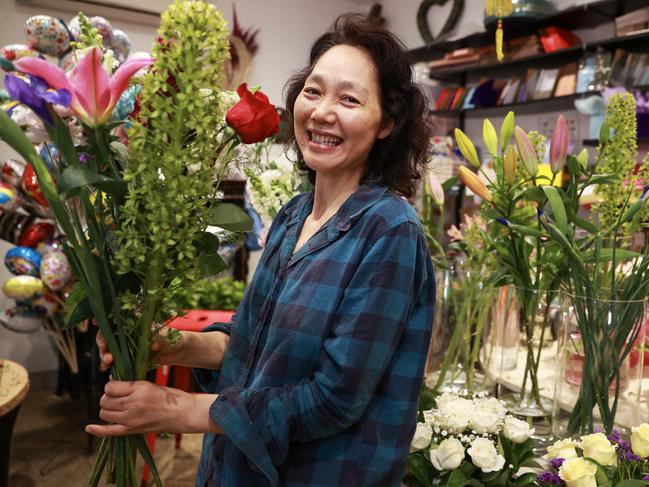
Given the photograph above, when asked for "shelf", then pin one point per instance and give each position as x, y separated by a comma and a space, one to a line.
584, 16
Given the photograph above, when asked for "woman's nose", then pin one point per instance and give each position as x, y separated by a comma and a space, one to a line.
324, 112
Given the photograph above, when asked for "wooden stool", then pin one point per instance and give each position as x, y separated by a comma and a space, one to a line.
194, 320
14, 384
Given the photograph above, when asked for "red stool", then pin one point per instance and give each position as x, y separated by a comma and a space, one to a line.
194, 320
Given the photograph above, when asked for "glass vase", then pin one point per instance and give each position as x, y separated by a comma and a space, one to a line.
598, 379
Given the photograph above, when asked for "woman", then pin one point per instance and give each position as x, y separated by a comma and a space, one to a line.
320, 370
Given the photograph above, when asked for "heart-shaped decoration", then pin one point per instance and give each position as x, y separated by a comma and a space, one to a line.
451, 22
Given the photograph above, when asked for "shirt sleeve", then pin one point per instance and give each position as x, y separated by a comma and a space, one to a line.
207, 378
369, 324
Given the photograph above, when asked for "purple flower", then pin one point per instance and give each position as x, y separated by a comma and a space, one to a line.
549, 478
646, 478
557, 462
35, 94
502, 221
630, 457
623, 445
644, 192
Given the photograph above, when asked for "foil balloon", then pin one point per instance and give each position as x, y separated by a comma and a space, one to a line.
12, 225
55, 270
104, 28
31, 187
47, 35
126, 103
47, 246
45, 305
23, 288
35, 233
12, 171
13, 52
9, 199
50, 154
23, 261
21, 319
68, 61
121, 45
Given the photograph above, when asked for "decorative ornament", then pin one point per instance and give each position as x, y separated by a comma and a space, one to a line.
121, 45
23, 288
500, 9
20, 319
23, 261
55, 270
35, 233
9, 199
451, 22
47, 35
31, 186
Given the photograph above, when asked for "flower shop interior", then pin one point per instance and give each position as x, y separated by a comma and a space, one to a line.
533, 207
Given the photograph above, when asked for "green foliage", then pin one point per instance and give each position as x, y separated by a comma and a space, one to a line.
88, 35
217, 294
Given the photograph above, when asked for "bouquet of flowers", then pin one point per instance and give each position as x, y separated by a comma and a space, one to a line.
135, 217
605, 460
470, 441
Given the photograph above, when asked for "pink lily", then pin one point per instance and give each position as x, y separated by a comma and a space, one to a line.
526, 151
559, 145
435, 188
94, 93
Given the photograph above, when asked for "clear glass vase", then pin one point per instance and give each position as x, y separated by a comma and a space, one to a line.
598, 379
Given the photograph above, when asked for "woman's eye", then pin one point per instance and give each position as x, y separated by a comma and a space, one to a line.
351, 99
310, 91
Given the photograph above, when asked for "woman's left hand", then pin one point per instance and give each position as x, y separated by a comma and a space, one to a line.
144, 407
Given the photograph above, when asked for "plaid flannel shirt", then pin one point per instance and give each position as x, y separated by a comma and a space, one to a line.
320, 382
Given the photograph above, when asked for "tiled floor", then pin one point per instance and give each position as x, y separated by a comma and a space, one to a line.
50, 447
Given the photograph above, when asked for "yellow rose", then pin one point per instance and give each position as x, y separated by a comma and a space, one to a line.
562, 449
640, 440
578, 472
597, 447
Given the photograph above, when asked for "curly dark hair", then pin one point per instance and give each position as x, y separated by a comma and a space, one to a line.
397, 160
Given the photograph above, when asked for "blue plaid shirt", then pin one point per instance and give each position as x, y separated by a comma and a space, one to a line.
321, 378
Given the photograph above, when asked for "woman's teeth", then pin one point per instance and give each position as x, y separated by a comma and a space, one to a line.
325, 139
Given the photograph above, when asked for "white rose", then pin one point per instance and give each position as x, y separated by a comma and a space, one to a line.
457, 422
599, 448
484, 455
448, 455
577, 472
423, 435
640, 440
562, 449
516, 430
485, 421
457, 412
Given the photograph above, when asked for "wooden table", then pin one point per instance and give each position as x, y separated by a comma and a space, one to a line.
14, 384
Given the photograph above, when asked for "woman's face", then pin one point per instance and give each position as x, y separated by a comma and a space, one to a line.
338, 113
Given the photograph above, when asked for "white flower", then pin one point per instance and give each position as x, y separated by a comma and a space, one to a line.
228, 99
485, 421
484, 455
562, 449
456, 412
421, 440
448, 455
598, 447
516, 430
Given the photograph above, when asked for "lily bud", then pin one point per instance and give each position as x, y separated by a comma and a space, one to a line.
582, 158
509, 165
472, 181
435, 188
559, 145
526, 151
507, 129
490, 137
467, 148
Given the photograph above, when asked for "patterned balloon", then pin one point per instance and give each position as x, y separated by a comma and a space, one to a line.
68, 61
105, 29
31, 187
9, 199
21, 319
13, 52
45, 305
35, 233
23, 261
47, 35
55, 270
121, 45
23, 288
47, 246
12, 172
12, 225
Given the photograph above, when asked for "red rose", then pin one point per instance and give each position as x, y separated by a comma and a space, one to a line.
253, 117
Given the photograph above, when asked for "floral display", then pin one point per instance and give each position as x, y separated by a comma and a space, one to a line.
598, 459
470, 441
135, 215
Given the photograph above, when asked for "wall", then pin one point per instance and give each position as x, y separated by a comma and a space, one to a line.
286, 30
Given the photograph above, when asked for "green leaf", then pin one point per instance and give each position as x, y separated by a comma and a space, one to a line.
606, 255
525, 230
449, 183
525, 479
509, 451
603, 179
81, 312
604, 133
210, 262
534, 194
457, 479
62, 139
600, 476
420, 468
231, 217
140, 444
632, 483
75, 177
558, 210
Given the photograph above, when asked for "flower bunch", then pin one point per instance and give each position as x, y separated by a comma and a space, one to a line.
466, 439
604, 460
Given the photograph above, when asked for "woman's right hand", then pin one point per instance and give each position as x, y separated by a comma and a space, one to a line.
162, 352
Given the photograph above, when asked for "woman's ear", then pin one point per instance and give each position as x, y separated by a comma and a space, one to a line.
387, 125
